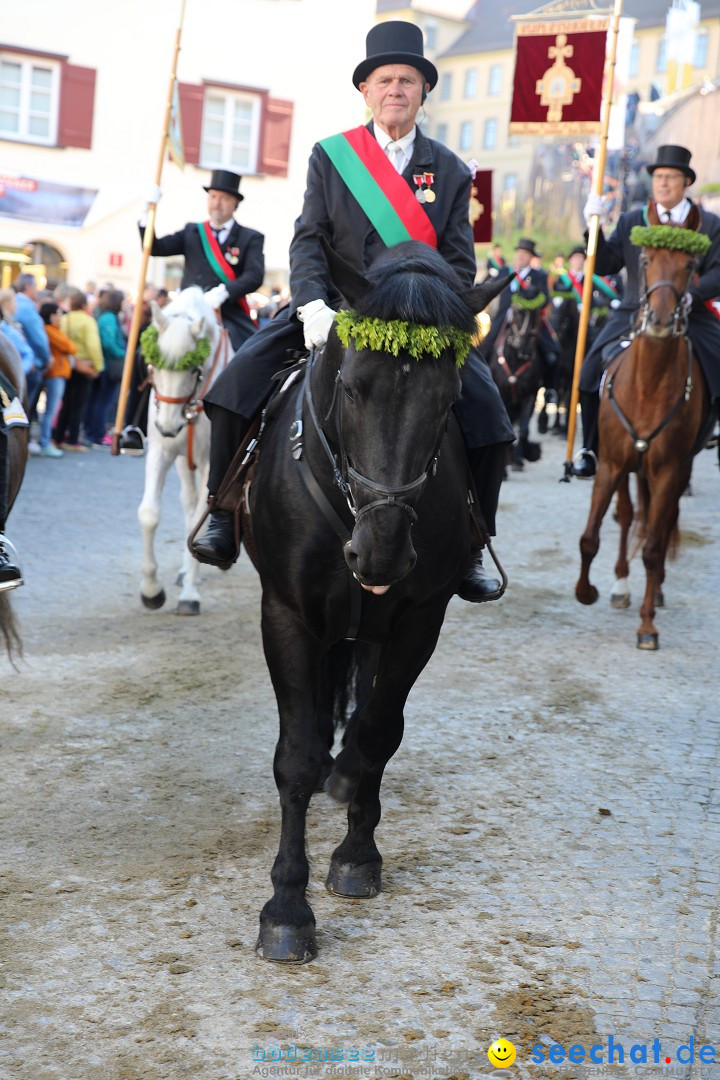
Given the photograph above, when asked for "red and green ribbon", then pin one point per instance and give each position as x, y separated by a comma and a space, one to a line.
217, 260
382, 193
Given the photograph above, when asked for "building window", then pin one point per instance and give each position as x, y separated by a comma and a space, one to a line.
441, 132
510, 182
230, 130
470, 83
490, 134
495, 80
431, 31
701, 49
513, 142
29, 98
634, 59
661, 64
446, 86
466, 134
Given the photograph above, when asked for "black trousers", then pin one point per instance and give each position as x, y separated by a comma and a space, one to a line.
487, 463
4, 475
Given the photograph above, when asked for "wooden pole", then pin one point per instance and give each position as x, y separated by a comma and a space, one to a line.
147, 247
594, 228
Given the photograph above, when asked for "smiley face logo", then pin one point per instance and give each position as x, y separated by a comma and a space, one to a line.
501, 1054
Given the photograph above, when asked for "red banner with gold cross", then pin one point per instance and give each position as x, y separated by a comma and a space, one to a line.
558, 82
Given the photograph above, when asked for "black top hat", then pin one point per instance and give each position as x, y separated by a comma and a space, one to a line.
229, 182
577, 250
524, 244
395, 42
673, 157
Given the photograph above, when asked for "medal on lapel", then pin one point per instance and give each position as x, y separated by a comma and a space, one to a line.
418, 181
232, 255
429, 180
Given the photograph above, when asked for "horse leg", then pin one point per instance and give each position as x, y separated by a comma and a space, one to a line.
604, 485
355, 867
193, 493
620, 595
156, 468
287, 923
662, 516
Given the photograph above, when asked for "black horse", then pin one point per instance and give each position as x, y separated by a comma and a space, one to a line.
12, 381
516, 368
360, 529
564, 318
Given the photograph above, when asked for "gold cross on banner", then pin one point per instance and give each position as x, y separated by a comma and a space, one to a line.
559, 84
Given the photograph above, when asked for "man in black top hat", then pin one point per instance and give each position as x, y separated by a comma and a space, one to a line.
394, 79
221, 256
671, 177
531, 283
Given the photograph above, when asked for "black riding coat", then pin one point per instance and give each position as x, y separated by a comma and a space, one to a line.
249, 270
616, 253
329, 208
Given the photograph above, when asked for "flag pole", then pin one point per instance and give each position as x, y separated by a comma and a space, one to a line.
147, 247
594, 228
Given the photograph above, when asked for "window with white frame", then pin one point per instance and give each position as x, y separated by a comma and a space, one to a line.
701, 49
634, 59
470, 83
466, 134
510, 182
490, 134
431, 35
446, 86
29, 97
230, 130
661, 62
495, 80
441, 132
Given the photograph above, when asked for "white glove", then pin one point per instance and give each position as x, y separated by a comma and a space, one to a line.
153, 195
594, 207
317, 318
217, 296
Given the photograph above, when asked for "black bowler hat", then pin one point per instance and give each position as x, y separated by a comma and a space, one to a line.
673, 157
524, 244
395, 42
229, 182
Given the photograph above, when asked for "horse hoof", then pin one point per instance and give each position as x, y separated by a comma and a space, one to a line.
153, 602
188, 607
589, 596
339, 787
287, 944
517, 466
659, 599
649, 642
620, 601
354, 882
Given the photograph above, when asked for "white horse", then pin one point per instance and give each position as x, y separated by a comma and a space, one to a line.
185, 354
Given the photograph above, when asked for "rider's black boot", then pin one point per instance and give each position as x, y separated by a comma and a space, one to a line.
479, 585
218, 545
585, 462
487, 465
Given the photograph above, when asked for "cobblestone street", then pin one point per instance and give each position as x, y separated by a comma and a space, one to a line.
550, 832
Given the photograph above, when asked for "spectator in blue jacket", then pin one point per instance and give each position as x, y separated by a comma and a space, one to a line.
33, 327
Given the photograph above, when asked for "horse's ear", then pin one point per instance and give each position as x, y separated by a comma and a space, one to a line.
157, 317
652, 214
692, 221
479, 296
344, 277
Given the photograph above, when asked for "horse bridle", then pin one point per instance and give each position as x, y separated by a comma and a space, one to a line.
193, 402
680, 315
683, 302
344, 472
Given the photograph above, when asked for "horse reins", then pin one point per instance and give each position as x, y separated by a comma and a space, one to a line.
193, 403
679, 329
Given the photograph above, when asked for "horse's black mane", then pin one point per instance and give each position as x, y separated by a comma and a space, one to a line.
413, 283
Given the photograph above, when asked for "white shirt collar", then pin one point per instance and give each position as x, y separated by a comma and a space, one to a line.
405, 143
677, 214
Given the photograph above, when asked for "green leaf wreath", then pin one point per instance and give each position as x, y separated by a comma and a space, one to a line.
393, 335
153, 356
671, 237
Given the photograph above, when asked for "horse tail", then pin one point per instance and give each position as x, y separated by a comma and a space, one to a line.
9, 629
346, 675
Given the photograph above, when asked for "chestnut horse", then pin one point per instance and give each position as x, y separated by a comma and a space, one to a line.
17, 450
653, 411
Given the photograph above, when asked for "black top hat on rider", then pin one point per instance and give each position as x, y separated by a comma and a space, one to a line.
224, 180
395, 42
673, 157
525, 244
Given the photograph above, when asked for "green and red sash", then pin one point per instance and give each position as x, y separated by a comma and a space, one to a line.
382, 193
217, 260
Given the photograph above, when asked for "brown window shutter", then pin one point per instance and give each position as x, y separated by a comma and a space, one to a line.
275, 137
191, 97
77, 105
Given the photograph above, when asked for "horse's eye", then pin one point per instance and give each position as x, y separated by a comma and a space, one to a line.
348, 392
